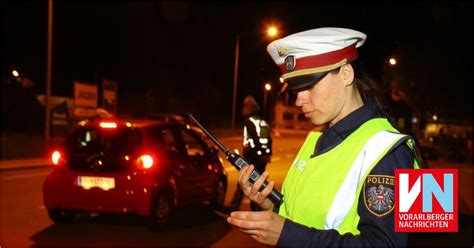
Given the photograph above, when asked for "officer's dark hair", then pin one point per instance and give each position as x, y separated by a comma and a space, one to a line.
369, 90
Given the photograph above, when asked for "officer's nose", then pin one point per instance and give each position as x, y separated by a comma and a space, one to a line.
301, 97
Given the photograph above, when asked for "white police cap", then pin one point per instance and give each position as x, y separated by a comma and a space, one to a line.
306, 57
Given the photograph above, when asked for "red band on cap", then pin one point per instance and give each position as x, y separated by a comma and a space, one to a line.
325, 59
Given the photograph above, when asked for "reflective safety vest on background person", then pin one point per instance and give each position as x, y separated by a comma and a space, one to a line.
259, 143
323, 191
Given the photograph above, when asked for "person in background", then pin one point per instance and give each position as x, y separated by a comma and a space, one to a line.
257, 145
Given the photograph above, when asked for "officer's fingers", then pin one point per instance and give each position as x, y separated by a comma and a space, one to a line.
245, 224
265, 192
256, 186
245, 175
241, 172
251, 232
261, 216
244, 180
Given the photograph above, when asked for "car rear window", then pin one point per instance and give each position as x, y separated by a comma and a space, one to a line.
122, 140
88, 145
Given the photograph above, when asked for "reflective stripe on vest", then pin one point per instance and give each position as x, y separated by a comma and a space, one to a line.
258, 123
375, 148
322, 192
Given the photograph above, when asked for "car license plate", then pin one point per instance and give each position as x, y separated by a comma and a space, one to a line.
104, 183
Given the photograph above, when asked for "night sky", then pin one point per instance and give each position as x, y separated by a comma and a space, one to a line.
180, 57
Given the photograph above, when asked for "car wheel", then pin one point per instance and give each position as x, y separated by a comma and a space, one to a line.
217, 203
160, 212
62, 216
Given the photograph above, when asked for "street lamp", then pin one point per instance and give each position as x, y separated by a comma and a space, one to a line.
236, 72
272, 31
47, 129
392, 61
16, 75
268, 87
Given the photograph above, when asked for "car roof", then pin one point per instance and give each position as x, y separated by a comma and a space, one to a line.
140, 123
166, 117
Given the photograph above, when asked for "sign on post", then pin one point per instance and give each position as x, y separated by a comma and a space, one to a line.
85, 99
109, 93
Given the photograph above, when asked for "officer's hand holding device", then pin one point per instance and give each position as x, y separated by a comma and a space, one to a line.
239, 162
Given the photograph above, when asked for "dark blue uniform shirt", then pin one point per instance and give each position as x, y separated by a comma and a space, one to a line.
376, 228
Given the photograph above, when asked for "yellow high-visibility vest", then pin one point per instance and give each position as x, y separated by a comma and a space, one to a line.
323, 191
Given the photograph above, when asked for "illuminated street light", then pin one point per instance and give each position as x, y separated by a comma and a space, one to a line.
435, 117
392, 61
15, 73
268, 87
272, 31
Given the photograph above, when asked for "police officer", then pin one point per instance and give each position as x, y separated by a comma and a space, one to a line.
257, 144
339, 190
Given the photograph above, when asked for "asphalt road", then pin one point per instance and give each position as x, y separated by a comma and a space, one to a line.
24, 221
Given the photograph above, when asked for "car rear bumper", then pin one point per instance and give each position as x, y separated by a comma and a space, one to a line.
131, 193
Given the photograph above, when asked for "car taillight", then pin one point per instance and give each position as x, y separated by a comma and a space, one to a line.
108, 125
57, 158
145, 161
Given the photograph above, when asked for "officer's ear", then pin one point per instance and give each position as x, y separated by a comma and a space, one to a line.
347, 74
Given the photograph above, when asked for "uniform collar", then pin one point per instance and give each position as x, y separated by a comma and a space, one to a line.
334, 135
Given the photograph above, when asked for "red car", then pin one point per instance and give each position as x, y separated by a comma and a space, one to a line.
141, 167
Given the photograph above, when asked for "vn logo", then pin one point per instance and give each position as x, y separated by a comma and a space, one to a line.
426, 200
